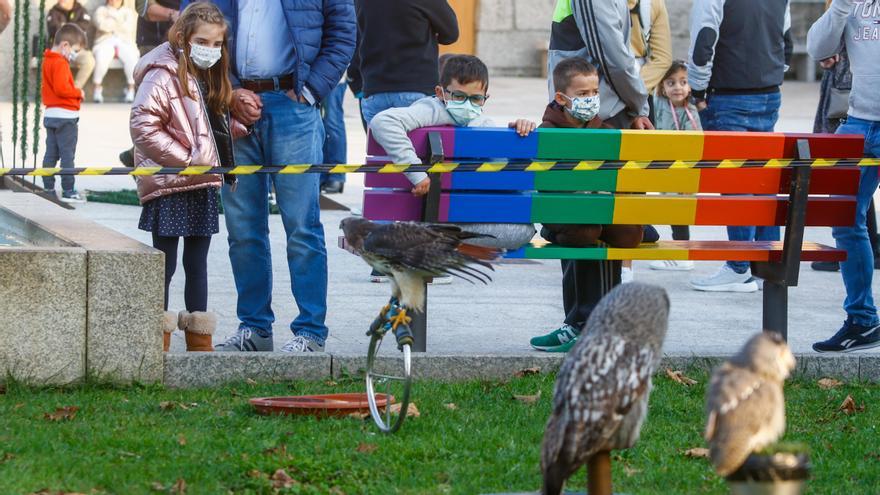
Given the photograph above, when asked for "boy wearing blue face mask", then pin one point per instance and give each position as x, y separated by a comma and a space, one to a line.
575, 105
458, 101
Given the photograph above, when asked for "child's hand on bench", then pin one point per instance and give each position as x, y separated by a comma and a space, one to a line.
523, 127
422, 188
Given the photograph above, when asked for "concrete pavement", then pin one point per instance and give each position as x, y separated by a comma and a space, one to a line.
524, 299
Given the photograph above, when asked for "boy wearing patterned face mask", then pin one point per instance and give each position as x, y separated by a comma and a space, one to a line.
576, 102
576, 106
458, 101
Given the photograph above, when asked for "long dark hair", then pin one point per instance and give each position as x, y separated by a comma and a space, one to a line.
219, 88
676, 67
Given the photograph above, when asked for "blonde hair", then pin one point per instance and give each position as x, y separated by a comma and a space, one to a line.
219, 88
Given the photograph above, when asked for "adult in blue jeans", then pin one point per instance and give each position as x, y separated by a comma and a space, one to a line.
287, 56
335, 143
845, 25
398, 52
739, 54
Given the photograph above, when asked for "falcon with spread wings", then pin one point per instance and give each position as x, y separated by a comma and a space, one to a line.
409, 252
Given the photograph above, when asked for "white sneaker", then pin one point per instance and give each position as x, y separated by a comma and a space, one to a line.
72, 197
626, 275
300, 344
129, 95
382, 279
759, 281
441, 280
726, 280
672, 265
98, 96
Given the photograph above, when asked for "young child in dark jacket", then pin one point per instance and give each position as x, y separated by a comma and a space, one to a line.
576, 106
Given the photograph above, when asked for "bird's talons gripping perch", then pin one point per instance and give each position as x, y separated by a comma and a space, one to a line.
400, 318
399, 324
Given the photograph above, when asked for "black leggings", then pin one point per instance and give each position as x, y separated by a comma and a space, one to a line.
195, 266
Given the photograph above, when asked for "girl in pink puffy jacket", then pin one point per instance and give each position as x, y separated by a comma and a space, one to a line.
180, 118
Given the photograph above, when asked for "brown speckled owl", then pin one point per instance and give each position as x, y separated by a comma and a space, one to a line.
601, 395
745, 405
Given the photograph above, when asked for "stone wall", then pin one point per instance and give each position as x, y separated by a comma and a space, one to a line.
511, 33
86, 302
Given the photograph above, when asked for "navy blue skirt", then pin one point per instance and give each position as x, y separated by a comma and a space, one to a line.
184, 214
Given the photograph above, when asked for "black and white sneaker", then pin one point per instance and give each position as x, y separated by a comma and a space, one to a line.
246, 339
851, 337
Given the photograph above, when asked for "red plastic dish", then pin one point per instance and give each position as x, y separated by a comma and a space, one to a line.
318, 405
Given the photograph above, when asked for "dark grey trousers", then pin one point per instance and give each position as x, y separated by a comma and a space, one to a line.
61, 138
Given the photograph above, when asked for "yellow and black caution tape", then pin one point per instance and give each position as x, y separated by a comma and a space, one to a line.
511, 166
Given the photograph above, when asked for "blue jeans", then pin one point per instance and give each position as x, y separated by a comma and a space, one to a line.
61, 138
751, 113
379, 102
335, 145
858, 269
288, 132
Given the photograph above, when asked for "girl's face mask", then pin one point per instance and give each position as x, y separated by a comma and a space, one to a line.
204, 57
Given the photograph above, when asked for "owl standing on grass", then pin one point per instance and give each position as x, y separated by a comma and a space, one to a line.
745, 403
601, 395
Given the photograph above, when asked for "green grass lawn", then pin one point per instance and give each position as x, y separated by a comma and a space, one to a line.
123, 441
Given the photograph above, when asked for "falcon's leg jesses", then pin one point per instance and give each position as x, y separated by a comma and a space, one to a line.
384, 315
400, 325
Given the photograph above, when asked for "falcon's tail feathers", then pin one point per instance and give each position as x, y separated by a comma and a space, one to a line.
470, 274
480, 252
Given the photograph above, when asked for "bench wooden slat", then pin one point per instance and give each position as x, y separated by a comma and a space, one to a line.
607, 208
611, 144
837, 180
680, 250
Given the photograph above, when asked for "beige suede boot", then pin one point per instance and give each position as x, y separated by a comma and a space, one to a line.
199, 327
169, 325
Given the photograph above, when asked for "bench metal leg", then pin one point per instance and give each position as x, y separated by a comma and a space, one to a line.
419, 327
776, 308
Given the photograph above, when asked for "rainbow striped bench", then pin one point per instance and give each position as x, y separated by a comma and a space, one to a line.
590, 176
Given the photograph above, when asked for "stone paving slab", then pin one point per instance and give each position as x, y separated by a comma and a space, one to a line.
205, 369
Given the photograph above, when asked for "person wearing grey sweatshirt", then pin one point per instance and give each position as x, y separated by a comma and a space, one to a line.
458, 101
855, 26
